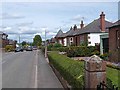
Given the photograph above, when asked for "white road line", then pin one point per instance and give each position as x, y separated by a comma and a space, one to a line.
36, 71
36, 76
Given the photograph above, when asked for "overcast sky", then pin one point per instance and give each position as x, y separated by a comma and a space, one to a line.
30, 18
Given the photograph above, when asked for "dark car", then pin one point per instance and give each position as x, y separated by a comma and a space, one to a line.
29, 48
18, 49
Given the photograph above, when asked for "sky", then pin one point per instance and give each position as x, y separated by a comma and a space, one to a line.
28, 19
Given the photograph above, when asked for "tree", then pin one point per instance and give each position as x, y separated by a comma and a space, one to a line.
37, 40
24, 43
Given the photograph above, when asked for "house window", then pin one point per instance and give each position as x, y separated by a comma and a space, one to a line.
89, 42
71, 39
88, 37
117, 39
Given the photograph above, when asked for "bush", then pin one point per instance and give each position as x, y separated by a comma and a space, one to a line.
71, 70
57, 45
104, 56
81, 51
9, 48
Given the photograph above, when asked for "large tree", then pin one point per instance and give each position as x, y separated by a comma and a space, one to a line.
37, 40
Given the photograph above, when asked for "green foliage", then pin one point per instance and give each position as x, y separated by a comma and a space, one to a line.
113, 75
80, 51
37, 40
104, 56
24, 43
83, 44
9, 48
71, 70
57, 45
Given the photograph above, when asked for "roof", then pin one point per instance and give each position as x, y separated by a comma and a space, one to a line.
94, 27
52, 40
59, 34
2, 33
115, 24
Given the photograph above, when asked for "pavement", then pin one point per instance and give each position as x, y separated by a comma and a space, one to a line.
46, 77
27, 69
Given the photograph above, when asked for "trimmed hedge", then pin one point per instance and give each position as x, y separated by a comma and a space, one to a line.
9, 48
71, 70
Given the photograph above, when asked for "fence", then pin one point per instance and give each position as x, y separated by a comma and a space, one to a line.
103, 86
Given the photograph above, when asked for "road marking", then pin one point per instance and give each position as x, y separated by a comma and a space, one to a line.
36, 71
36, 76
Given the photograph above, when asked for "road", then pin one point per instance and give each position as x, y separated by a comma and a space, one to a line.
27, 69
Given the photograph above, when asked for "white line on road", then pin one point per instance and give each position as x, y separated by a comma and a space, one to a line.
36, 76
36, 71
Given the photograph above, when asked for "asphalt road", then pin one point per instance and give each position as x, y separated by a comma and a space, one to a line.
27, 70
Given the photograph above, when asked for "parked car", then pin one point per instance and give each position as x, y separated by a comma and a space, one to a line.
29, 48
34, 48
18, 49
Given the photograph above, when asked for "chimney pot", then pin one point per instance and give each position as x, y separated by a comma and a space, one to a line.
81, 25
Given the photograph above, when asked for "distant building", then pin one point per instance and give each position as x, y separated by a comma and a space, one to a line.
3, 40
114, 42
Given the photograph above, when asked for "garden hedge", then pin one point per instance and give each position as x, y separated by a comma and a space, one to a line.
72, 71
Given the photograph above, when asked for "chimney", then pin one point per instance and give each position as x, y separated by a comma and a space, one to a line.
102, 22
71, 28
75, 27
81, 25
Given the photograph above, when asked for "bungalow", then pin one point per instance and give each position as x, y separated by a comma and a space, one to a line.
90, 34
114, 42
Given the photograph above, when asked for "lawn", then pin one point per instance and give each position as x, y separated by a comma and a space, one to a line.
114, 75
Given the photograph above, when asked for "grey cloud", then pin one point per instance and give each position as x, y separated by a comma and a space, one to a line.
24, 24
11, 16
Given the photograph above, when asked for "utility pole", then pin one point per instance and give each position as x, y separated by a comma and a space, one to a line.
19, 39
45, 45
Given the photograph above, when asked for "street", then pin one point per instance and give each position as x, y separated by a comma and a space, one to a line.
27, 69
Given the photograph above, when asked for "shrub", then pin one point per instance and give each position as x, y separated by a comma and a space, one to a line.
71, 70
9, 48
57, 45
81, 51
104, 56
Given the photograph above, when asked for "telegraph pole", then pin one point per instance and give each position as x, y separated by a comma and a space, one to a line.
19, 39
45, 45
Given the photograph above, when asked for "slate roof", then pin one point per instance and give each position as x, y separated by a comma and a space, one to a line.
94, 27
59, 34
116, 23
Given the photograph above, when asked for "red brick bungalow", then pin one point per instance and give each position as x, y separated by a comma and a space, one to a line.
90, 34
114, 42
